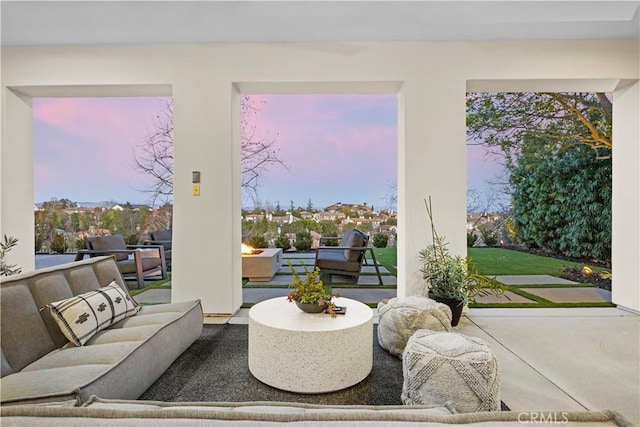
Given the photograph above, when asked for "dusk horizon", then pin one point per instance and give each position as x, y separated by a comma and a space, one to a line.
336, 148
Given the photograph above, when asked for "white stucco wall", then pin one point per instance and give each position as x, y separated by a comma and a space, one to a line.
205, 80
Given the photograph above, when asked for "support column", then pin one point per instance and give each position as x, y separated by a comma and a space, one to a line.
206, 239
432, 162
16, 212
626, 195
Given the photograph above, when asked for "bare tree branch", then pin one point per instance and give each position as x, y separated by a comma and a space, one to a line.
154, 155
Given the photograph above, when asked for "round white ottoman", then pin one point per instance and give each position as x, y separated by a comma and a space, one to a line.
441, 367
399, 318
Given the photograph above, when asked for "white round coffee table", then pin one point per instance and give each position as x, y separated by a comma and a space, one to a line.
310, 353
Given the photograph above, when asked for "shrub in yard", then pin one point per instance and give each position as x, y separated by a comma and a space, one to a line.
471, 239
282, 241
330, 241
303, 241
488, 235
58, 244
81, 244
380, 240
131, 239
257, 241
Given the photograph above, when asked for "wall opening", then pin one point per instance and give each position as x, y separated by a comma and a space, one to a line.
337, 170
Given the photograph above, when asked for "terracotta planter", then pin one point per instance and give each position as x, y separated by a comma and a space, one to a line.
455, 305
311, 307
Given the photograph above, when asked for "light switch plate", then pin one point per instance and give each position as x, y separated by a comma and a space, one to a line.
196, 189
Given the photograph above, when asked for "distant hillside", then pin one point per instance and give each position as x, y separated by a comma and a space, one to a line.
92, 205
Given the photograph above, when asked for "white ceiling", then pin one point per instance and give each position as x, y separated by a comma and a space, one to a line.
144, 22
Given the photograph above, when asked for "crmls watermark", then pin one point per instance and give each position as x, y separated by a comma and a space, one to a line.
543, 418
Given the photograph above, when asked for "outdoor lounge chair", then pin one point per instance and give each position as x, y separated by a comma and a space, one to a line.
135, 261
164, 238
347, 258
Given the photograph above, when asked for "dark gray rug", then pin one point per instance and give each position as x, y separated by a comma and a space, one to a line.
215, 368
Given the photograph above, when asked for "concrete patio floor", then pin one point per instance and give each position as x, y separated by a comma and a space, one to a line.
557, 359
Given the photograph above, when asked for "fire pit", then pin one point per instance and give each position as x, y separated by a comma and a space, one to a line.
260, 265
248, 250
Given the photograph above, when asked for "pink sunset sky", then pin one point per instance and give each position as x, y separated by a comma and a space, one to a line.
337, 148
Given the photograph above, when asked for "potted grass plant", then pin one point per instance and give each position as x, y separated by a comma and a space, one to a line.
309, 293
452, 279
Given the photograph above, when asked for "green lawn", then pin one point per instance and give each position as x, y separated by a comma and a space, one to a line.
387, 257
158, 284
494, 261
503, 261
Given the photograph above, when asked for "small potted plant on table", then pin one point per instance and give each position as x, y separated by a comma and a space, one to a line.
452, 279
310, 294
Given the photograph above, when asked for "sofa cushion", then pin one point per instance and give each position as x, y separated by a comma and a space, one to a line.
23, 296
286, 409
101, 243
80, 317
24, 335
129, 266
333, 259
353, 239
161, 235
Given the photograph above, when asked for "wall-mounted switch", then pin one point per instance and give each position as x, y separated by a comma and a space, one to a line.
196, 189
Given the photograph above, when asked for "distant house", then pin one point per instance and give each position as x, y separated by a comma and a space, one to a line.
329, 216
253, 217
117, 207
307, 215
286, 219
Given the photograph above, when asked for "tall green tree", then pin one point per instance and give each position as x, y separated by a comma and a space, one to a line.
561, 200
503, 121
557, 151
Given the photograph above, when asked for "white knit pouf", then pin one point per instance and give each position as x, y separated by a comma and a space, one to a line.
399, 318
441, 367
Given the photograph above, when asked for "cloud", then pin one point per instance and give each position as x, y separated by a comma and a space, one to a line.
90, 138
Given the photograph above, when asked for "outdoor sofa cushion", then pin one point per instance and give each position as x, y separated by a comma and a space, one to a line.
111, 243
129, 266
164, 238
354, 239
335, 260
164, 235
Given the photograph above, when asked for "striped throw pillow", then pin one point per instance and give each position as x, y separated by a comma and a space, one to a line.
81, 317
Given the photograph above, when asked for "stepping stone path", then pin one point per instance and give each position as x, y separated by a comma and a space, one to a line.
550, 289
